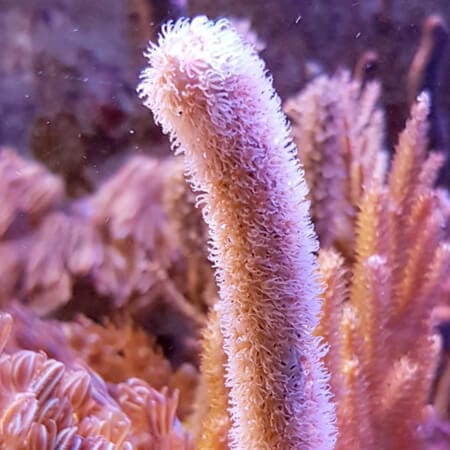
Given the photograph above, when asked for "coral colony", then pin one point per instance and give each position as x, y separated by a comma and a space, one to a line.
149, 315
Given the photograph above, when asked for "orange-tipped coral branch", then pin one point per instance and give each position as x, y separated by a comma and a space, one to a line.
386, 352
216, 420
210, 92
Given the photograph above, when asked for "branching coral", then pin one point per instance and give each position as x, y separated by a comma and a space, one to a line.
137, 244
383, 347
62, 248
209, 91
338, 129
27, 192
425, 73
33, 222
115, 249
135, 213
50, 246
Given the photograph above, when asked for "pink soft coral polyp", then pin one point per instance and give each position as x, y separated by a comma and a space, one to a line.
210, 92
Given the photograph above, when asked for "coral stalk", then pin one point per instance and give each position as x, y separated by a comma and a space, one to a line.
216, 422
210, 92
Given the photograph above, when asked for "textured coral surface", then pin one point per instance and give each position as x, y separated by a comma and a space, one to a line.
113, 331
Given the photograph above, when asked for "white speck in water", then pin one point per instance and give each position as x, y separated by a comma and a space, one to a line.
204, 155
131, 131
297, 20
422, 97
358, 35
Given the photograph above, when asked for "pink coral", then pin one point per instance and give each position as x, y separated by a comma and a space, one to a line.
210, 92
46, 404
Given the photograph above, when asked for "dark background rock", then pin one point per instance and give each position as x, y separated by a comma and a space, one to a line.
83, 58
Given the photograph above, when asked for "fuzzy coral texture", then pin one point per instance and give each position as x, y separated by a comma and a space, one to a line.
210, 92
338, 129
104, 298
378, 304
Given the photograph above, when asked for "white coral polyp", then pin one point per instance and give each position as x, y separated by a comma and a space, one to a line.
211, 93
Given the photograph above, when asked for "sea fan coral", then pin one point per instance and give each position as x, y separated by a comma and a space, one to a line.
210, 93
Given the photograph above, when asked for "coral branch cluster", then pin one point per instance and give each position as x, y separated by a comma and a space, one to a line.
338, 129
377, 314
118, 248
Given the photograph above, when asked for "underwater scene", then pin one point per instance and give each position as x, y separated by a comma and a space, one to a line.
224, 225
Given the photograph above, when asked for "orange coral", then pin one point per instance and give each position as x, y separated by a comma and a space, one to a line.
216, 419
387, 350
117, 352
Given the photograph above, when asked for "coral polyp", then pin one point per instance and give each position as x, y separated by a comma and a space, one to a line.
210, 92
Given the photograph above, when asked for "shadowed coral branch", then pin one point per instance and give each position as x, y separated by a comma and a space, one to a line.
338, 129
216, 420
425, 73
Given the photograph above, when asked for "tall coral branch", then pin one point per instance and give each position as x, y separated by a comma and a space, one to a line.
216, 423
211, 94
